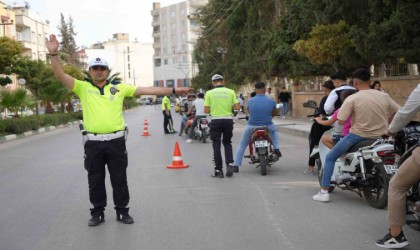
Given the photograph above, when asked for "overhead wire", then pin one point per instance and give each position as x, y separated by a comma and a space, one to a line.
212, 28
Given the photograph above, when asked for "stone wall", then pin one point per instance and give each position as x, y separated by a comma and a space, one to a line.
399, 88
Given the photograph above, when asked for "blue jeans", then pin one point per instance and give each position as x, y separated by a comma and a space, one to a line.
183, 123
246, 136
339, 149
285, 108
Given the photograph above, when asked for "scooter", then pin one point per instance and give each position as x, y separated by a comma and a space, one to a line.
201, 131
264, 154
362, 169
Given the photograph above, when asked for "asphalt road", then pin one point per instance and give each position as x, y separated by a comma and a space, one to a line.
45, 205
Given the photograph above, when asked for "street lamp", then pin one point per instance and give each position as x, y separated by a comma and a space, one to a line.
3, 23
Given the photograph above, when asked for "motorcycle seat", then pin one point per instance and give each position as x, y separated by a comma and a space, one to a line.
259, 128
361, 144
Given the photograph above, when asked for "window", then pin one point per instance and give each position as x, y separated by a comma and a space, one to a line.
170, 83
174, 60
163, 27
158, 62
128, 66
128, 58
184, 47
165, 61
173, 26
173, 49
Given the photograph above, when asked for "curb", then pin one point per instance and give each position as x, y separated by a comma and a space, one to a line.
12, 137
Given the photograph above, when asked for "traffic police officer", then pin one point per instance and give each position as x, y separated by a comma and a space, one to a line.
219, 103
168, 124
102, 103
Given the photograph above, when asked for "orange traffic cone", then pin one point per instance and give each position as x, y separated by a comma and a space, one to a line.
146, 122
177, 160
145, 131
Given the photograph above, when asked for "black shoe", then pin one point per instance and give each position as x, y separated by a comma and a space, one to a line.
217, 174
393, 242
167, 133
124, 218
96, 219
235, 169
229, 170
277, 152
173, 132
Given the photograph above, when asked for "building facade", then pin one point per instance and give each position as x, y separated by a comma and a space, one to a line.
175, 33
31, 31
133, 60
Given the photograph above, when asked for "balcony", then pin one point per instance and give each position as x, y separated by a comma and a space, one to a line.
155, 12
156, 34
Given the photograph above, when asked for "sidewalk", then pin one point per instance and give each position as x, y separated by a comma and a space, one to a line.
294, 126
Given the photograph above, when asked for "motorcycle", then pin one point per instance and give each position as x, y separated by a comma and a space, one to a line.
406, 141
264, 155
362, 170
201, 131
316, 130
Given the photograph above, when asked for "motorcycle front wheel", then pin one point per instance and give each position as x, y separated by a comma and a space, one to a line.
263, 163
376, 194
318, 166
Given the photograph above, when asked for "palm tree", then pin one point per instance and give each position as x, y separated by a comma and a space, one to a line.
15, 100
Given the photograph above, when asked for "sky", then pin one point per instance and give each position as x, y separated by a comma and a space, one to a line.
97, 20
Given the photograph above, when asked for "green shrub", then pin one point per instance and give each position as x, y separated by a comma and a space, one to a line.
21, 125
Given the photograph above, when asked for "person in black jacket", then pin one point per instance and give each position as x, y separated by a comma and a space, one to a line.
318, 130
284, 98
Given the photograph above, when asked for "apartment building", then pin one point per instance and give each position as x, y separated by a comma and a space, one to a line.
175, 33
7, 22
31, 31
133, 60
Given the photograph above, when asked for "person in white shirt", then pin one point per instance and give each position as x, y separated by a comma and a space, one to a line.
198, 105
333, 101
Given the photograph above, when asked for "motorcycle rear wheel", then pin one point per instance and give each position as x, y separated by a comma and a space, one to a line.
263, 163
377, 194
318, 166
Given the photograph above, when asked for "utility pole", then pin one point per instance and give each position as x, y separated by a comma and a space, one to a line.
223, 50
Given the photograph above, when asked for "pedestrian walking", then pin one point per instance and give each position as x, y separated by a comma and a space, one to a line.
105, 130
219, 103
284, 98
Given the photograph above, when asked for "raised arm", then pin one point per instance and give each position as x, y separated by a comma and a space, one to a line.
52, 47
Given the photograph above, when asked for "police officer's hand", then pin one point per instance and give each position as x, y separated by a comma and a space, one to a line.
52, 44
183, 90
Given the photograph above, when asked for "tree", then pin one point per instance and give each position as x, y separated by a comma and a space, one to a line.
68, 45
14, 100
327, 43
10, 51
